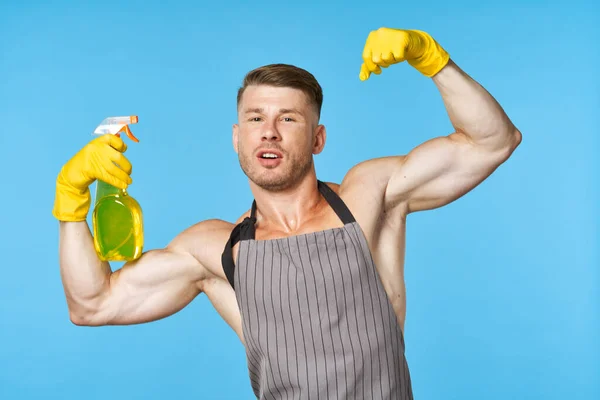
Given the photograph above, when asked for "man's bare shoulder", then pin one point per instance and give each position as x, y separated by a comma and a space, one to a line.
205, 240
369, 179
208, 227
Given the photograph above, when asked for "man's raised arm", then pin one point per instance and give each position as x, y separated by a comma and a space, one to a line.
445, 168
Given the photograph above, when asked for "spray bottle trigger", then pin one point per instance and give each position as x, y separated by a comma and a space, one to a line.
128, 133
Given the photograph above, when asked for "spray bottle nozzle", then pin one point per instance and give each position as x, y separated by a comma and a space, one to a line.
116, 125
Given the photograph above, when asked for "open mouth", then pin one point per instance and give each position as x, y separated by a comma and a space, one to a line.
269, 158
269, 155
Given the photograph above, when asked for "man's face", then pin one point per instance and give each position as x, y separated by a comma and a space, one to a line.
276, 135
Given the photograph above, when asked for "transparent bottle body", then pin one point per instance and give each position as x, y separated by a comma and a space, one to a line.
117, 224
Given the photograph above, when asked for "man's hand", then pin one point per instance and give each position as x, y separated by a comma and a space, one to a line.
387, 46
102, 158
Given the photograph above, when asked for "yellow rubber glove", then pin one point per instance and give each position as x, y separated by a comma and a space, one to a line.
387, 46
103, 159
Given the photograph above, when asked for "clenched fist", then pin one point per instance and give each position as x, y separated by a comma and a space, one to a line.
387, 46
103, 159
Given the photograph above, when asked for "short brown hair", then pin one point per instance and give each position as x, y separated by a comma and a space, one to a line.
285, 75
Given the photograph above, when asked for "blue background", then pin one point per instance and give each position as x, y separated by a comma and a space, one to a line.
503, 285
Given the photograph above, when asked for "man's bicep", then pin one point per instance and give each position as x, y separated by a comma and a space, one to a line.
366, 182
158, 284
438, 172
162, 282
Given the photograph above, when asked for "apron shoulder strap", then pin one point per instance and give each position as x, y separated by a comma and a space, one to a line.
243, 231
336, 203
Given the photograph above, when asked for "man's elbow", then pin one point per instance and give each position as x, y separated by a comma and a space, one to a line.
517, 137
85, 318
79, 319
509, 144
514, 140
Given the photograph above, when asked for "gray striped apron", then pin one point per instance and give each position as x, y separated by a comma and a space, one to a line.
316, 319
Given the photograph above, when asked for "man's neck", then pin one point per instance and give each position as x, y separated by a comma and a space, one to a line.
288, 210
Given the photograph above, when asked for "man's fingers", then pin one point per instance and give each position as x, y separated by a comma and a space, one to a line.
398, 52
116, 182
114, 141
380, 62
114, 175
121, 161
388, 59
364, 73
371, 65
114, 168
384, 64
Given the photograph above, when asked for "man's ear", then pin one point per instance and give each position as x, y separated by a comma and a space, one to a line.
234, 138
320, 139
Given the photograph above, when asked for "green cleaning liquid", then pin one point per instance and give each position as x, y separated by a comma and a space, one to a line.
118, 224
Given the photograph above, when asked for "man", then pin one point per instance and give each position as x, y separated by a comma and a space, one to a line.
311, 277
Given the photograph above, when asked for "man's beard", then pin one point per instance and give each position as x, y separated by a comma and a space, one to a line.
279, 178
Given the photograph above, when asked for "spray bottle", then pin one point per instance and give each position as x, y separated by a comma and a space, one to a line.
117, 217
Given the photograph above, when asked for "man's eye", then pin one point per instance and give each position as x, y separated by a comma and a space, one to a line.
255, 119
288, 119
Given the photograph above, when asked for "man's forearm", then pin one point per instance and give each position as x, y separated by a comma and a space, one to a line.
85, 278
474, 112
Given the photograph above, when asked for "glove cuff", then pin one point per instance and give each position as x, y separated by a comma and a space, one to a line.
433, 59
70, 204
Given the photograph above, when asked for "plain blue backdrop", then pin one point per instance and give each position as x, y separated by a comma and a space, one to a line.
503, 284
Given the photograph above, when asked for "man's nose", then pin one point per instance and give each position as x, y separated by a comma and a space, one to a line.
271, 132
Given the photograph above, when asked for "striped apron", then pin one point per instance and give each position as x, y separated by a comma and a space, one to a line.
316, 319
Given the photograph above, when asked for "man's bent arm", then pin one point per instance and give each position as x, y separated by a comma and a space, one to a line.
156, 285
473, 112
443, 169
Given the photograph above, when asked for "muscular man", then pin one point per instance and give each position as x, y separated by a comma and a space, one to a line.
311, 276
